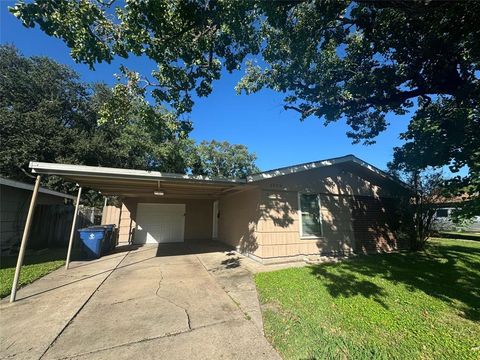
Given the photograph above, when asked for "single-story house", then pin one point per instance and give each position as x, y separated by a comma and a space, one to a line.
334, 206
14, 201
443, 221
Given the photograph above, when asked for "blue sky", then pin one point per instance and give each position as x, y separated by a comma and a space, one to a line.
259, 121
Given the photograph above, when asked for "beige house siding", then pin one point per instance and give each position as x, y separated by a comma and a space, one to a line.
340, 188
278, 230
239, 214
127, 225
262, 219
120, 216
198, 217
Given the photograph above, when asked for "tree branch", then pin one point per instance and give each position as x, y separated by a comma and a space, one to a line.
304, 112
106, 3
26, 173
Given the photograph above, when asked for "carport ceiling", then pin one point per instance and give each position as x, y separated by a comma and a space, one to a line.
126, 182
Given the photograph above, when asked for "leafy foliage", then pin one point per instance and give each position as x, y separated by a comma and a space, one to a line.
362, 59
221, 159
357, 60
428, 193
142, 136
334, 58
445, 132
43, 111
47, 114
187, 39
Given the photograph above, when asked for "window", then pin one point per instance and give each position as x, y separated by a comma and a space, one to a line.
442, 213
310, 219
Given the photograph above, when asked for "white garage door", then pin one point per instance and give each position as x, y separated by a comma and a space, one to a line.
159, 223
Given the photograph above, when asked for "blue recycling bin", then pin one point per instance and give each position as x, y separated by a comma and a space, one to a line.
93, 241
111, 236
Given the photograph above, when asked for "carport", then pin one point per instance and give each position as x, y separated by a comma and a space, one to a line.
153, 196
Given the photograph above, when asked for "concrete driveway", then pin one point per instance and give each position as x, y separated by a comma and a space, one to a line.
171, 302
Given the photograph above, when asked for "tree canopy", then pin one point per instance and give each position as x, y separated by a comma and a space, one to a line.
445, 133
222, 159
48, 114
333, 59
357, 59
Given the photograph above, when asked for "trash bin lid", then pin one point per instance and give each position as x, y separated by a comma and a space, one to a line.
109, 226
92, 229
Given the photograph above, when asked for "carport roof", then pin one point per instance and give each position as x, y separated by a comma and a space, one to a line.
128, 182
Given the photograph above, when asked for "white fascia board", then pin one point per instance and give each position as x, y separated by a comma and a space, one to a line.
107, 172
24, 186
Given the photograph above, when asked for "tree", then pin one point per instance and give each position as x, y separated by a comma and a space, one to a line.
357, 60
43, 108
139, 135
222, 159
418, 213
189, 40
445, 133
47, 114
427, 187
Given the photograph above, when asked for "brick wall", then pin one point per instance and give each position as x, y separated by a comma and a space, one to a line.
376, 222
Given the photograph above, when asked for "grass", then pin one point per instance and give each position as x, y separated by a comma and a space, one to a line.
35, 266
392, 306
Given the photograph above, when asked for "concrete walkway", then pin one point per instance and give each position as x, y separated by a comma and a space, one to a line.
171, 302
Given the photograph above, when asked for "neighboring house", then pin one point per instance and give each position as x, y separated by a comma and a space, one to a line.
14, 202
334, 206
443, 221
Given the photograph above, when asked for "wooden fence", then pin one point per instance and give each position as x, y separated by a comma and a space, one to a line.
52, 225
111, 215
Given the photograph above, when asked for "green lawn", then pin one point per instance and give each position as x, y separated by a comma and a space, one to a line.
35, 266
391, 306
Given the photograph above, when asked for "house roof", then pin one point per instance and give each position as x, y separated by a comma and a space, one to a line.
322, 163
25, 186
114, 181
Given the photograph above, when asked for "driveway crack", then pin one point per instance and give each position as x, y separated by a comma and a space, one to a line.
189, 324
82, 306
123, 301
167, 335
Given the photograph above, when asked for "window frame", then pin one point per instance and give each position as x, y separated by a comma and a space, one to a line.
300, 221
445, 216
